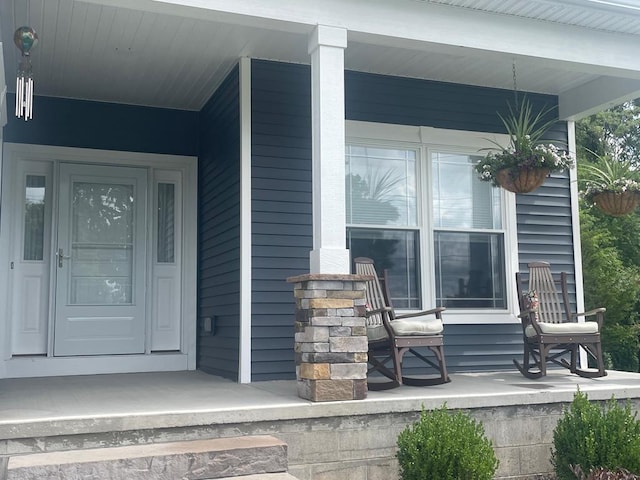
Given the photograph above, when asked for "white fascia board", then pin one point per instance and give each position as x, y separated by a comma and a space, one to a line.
412, 24
595, 96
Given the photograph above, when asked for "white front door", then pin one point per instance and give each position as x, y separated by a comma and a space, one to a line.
100, 261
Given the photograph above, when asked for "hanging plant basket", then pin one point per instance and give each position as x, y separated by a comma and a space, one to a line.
521, 180
617, 204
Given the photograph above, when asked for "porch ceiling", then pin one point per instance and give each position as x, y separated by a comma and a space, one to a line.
174, 53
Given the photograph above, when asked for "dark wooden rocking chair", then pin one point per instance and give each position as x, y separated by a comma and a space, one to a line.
391, 336
548, 324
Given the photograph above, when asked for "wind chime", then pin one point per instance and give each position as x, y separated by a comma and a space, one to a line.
25, 39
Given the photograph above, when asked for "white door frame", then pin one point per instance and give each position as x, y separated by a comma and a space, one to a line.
28, 366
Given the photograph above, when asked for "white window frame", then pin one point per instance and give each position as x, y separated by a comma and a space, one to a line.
427, 140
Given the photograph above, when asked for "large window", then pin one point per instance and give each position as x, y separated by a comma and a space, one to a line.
419, 211
468, 237
382, 208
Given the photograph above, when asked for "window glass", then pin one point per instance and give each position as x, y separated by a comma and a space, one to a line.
469, 258
102, 244
33, 248
395, 251
460, 200
381, 186
470, 270
166, 223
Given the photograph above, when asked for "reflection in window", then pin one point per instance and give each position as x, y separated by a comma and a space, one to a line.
102, 244
33, 248
470, 270
382, 215
395, 251
166, 223
469, 242
460, 200
381, 186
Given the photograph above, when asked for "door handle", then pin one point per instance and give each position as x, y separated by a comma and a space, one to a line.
61, 256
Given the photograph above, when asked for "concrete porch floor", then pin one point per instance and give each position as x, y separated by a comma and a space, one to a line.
53, 406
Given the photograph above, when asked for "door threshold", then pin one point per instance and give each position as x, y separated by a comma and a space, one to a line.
39, 366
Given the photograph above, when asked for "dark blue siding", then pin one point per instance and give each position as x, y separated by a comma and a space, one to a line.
281, 209
106, 126
219, 230
281, 193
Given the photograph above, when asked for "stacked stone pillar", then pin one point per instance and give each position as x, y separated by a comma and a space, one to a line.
330, 336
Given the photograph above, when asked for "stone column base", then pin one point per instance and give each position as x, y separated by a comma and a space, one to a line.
331, 336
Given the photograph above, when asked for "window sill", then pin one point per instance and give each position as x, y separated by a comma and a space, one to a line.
474, 317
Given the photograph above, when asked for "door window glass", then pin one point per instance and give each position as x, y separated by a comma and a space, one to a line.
33, 248
166, 222
102, 244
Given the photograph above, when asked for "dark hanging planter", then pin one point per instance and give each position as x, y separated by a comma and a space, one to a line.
617, 204
521, 180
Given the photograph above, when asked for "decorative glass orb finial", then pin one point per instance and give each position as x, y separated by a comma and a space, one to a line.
25, 39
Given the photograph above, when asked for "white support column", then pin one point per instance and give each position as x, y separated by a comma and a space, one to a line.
326, 47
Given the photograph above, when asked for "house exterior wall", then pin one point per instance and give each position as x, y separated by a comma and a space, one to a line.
281, 207
219, 231
107, 126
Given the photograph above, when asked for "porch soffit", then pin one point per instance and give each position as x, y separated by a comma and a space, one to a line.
174, 53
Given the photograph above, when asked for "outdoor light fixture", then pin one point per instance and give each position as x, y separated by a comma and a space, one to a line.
25, 39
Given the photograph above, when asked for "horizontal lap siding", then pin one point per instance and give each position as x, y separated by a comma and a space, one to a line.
280, 209
282, 144
106, 126
544, 228
219, 230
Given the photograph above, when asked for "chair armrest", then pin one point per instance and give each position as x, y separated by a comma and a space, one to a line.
590, 313
598, 312
529, 317
437, 311
526, 313
368, 313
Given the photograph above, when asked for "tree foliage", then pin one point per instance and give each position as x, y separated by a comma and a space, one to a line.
611, 245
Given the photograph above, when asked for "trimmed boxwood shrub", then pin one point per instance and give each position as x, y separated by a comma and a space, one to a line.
445, 446
591, 436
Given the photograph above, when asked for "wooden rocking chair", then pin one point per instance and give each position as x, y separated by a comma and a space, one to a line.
548, 324
391, 336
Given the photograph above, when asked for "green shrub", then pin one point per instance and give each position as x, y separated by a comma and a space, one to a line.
591, 436
445, 446
621, 344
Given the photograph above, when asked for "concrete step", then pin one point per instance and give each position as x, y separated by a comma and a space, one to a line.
224, 458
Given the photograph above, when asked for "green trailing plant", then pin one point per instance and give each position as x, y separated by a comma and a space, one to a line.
526, 148
447, 446
608, 174
591, 436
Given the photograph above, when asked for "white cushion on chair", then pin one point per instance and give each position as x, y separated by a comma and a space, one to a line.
376, 332
563, 328
423, 325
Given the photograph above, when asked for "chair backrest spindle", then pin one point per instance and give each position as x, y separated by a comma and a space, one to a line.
550, 308
374, 292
